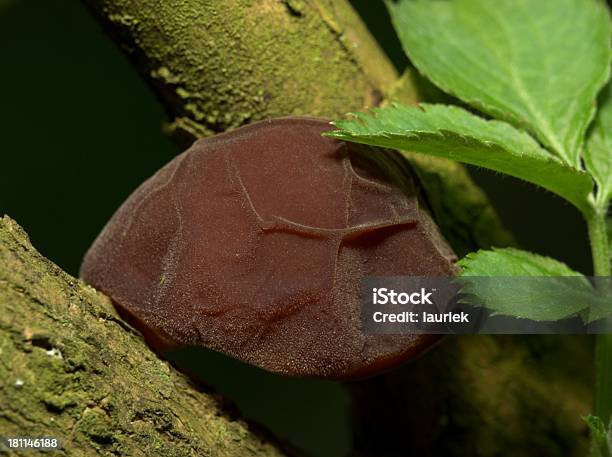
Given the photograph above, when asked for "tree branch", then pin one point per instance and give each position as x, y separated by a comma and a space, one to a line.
70, 368
218, 65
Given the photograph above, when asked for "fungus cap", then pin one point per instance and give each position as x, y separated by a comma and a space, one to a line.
253, 243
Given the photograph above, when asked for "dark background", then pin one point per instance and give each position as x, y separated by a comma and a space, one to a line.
79, 131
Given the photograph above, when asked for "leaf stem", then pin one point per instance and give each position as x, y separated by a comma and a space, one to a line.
596, 221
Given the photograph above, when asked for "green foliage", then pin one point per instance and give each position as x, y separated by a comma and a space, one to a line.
505, 58
598, 153
547, 294
452, 132
512, 262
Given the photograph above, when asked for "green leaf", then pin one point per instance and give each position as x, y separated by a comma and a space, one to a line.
536, 64
512, 262
598, 154
452, 132
600, 304
546, 294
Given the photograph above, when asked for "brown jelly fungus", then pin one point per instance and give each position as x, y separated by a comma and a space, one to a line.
253, 243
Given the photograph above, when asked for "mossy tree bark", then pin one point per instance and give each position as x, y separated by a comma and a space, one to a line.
220, 64
215, 66
70, 368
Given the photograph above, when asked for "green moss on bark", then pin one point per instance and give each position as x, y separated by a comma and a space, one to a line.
72, 369
226, 63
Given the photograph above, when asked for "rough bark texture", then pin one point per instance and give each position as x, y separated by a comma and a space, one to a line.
72, 369
217, 65
220, 64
